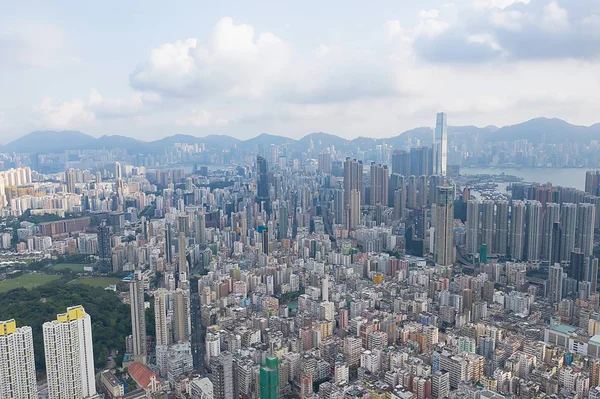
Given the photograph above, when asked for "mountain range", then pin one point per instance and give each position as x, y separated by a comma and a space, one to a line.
534, 130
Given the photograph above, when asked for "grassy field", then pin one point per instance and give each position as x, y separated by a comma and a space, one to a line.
101, 282
26, 281
76, 267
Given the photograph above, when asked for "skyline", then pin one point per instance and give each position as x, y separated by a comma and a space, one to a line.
148, 72
491, 129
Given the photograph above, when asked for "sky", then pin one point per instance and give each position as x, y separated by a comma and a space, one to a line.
150, 69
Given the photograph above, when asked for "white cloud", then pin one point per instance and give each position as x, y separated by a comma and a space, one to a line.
511, 20
502, 4
393, 28
79, 113
555, 17
236, 62
544, 29
431, 24
484, 39
68, 114
433, 13
32, 44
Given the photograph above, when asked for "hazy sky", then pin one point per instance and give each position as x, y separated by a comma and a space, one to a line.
149, 69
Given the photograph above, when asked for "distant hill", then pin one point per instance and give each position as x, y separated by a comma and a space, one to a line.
534, 130
548, 130
265, 140
50, 141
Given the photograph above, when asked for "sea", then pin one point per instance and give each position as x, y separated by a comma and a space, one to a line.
565, 177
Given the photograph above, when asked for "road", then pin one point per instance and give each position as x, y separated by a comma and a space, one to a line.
198, 347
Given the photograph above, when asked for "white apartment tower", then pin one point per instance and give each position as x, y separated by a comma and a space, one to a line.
17, 365
70, 355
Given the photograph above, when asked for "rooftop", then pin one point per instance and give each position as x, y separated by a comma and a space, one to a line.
563, 328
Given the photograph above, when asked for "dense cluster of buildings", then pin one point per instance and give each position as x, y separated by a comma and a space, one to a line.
314, 276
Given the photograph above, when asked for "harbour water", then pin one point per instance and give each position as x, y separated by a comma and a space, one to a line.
566, 177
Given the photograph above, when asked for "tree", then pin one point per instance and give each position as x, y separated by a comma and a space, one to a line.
111, 318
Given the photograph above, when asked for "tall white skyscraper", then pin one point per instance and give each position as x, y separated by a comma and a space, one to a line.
440, 145
17, 363
138, 316
70, 355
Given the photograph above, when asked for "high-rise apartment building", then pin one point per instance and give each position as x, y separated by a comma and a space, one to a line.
379, 184
591, 273
422, 192
500, 246
584, 236
138, 316
568, 225
182, 327
200, 228
440, 145
411, 193
353, 178
168, 243
396, 182
283, 220
338, 206
182, 254
517, 230
353, 211
487, 224
221, 375
70, 355
551, 216
592, 182
17, 364
472, 235
70, 180
420, 161
534, 230
440, 384
444, 253
401, 163
104, 250
555, 280
160, 317
325, 162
